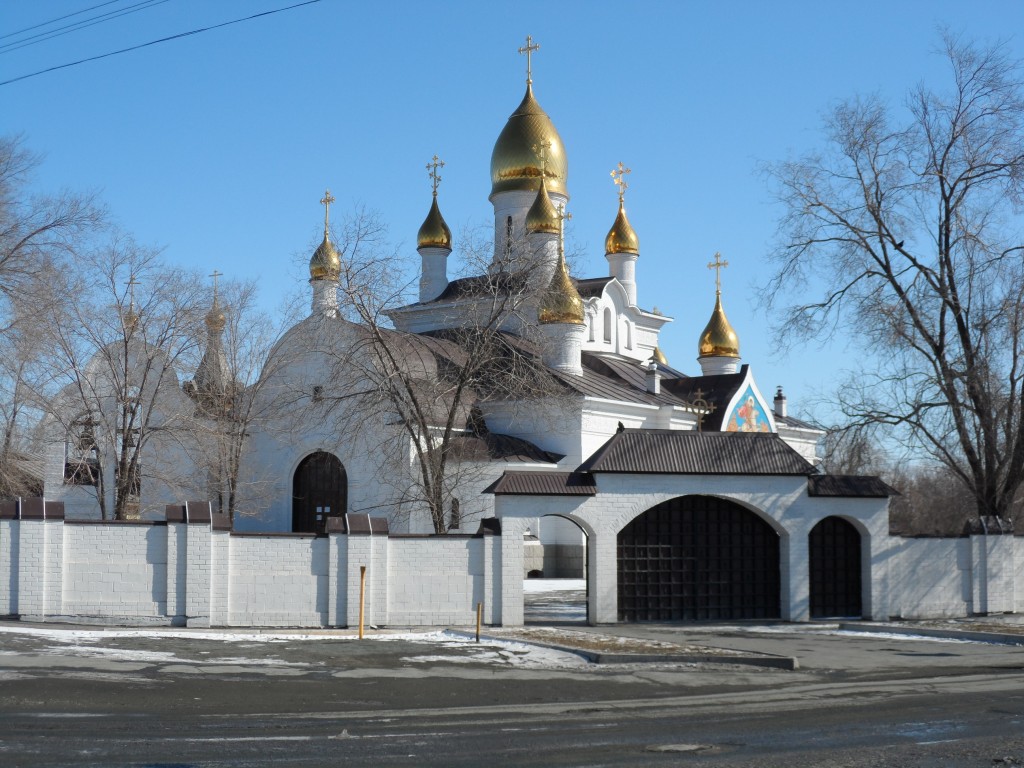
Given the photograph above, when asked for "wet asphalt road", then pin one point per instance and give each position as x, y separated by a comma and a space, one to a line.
224, 700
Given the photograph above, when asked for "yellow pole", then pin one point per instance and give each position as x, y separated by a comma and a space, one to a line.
479, 617
362, 598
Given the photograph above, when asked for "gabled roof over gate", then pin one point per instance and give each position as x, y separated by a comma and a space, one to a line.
677, 452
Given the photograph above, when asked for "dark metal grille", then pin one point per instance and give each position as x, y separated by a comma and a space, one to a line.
835, 566
319, 491
697, 558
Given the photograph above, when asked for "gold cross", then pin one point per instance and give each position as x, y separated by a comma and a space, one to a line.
528, 49
562, 218
432, 166
541, 151
326, 201
718, 265
132, 282
215, 275
618, 180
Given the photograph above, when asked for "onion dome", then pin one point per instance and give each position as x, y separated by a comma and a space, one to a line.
434, 232
542, 216
561, 302
659, 357
718, 338
621, 237
325, 263
215, 320
130, 319
514, 161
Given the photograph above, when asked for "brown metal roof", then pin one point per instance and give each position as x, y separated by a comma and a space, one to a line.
716, 390
849, 486
489, 446
543, 484
676, 452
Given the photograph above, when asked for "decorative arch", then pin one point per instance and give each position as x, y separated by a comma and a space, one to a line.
835, 566
695, 558
319, 492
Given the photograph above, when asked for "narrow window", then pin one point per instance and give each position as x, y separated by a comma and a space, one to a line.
456, 516
508, 239
607, 326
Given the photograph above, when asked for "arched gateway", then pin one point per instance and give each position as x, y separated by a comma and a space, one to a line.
698, 558
319, 491
835, 566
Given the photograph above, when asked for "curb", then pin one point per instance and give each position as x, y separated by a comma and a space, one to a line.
997, 638
788, 663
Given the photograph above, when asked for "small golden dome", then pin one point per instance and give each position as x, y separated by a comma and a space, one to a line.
659, 357
130, 319
542, 216
215, 320
561, 302
514, 161
325, 263
621, 237
434, 232
718, 338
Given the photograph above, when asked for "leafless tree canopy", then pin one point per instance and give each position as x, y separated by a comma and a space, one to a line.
909, 226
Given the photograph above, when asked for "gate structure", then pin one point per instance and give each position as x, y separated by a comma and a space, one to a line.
835, 570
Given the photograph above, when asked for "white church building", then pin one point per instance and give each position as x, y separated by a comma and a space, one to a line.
678, 495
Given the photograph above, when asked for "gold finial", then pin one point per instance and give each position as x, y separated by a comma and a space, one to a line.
618, 179
718, 265
326, 201
528, 49
432, 166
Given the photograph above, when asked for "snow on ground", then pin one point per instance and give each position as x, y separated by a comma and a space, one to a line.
535, 586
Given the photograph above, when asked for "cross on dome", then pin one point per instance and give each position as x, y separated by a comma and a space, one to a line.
562, 218
528, 49
326, 201
435, 177
718, 265
215, 275
541, 151
618, 179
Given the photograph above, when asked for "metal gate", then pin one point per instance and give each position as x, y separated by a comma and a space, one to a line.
835, 567
696, 558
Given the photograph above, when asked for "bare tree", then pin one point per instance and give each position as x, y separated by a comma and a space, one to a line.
129, 324
39, 235
909, 224
423, 390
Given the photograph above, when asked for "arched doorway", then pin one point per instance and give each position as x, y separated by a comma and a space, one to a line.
835, 569
697, 558
555, 588
319, 491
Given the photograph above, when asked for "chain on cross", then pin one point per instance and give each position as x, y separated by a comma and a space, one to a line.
435, 177
528, 49
718, 265
619, 180
326, 201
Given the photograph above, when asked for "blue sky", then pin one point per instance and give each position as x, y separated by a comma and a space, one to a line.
218, 146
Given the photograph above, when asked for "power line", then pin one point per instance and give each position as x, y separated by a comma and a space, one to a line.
154, 42
67, 29
59, 18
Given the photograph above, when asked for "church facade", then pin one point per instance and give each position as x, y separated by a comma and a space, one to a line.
678, 496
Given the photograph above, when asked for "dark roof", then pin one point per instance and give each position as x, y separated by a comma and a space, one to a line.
543, 484
716, 390
849, 486
501, 283
592, 286
677, 452
488, 446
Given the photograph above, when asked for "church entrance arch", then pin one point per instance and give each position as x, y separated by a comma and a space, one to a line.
698, 558
556, 589
835, 569
319, 492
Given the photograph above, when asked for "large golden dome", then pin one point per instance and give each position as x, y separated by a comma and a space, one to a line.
718, 338
434, 232
514, 161
325, 263
621, 237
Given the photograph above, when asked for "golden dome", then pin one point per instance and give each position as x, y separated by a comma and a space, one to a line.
130, 319
561, 302
621, 237
514, 161
325, 263
215, 320
659, 357
718, 338
434, 232
542, 216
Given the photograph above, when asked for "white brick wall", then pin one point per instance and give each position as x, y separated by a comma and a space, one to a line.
277, 581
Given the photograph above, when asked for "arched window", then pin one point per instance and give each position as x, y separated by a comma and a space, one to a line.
319, 492
608, 325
